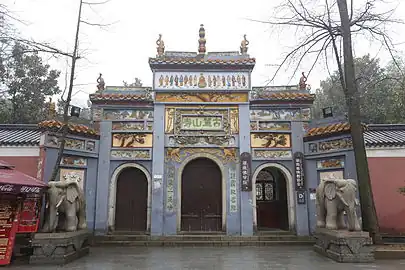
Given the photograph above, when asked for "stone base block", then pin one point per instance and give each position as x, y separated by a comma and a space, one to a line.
344, 246
59, 248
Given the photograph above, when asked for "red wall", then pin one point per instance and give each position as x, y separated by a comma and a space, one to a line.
387, 176
27, 165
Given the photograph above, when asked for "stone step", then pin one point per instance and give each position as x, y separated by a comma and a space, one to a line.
122, 237
198, 240
202, 243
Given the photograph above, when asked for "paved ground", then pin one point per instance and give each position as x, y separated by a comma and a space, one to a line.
213, 258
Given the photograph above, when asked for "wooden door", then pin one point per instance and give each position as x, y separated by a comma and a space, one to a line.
201, 196
268, 207
131, 201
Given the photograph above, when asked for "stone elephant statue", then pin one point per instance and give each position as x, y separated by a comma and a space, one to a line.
67, 199
333, 198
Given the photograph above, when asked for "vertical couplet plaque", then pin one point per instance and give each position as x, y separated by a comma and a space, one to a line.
246, 167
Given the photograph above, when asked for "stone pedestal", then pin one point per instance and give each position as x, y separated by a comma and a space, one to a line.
344, 246
59, 248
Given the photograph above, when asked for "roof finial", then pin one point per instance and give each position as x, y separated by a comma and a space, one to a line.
100, 83
201, 48
303, 82
243, 45
160, 46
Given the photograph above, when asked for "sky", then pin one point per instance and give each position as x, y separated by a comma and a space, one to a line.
121, 50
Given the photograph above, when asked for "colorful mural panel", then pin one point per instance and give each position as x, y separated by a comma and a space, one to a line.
201, 97
131, 154
271, 154
270, 140
132, 140
202, 80
330, 163
128, 114
133, 126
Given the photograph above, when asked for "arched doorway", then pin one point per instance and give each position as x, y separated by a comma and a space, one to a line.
131, 201
271, 200
201, 196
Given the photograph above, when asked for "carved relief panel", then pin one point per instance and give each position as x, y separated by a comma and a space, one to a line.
226, 155
136, 114
201, 80
280, 114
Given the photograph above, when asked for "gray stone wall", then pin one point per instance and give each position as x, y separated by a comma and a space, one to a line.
82, 162
313, 168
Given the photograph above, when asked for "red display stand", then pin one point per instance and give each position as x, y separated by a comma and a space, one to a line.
9, 219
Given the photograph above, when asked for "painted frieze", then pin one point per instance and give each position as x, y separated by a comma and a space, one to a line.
233, 191
202, 140
266, 125
138, 114
178, 154
73, 161
270, 140
132, 140
272, 154
331, 145
201, 80
275, 114
201, 97
132, 126
130, 154
170, 188
330, 163
74, 144
73, 174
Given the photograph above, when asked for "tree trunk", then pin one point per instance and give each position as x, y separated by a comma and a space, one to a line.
368, 212
65, 127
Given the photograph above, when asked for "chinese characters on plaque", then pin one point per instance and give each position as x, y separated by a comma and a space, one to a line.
201, 122
246, 163
299, 170
233, 197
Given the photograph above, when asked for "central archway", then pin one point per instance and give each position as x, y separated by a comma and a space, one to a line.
201, 196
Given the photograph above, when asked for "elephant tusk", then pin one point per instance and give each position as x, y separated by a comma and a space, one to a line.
47, 205
342, 199
60, 202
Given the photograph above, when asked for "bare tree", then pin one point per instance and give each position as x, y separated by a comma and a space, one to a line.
75, 56
327, 26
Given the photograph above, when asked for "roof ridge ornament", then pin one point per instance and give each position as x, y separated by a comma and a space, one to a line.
100, 83
244, 45
201, 41
160, 46
303, 82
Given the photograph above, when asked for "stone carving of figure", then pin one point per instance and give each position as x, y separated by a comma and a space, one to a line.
303, 80
334, 198
243, 45
65, 197
100, 83
160, 46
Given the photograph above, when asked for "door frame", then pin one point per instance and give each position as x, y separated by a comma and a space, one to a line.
112, 198
223, 186
289, 188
